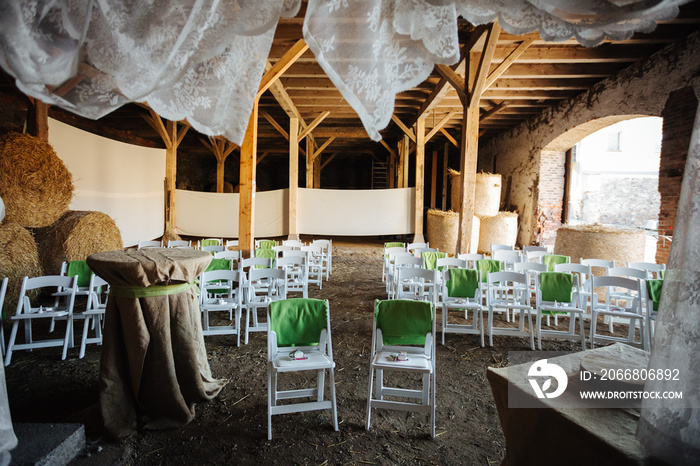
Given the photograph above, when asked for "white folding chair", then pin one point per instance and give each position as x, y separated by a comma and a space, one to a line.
416, 283
535, 256
509, 291
527, 249
601, 263
314, 261
150, 244
213, 248
471, 259
630, 311
294, 243
401, 261
624, 295
327, 247
299, 339
231, 243
585, 274
388, 250
403, 340
653, 270
263, 287
461, 292
220, 292
179, 244
441, 265
296, 273
508, 257
500, 247
558, 293
94, 314
388, 271
414, 247
233, 256
26, 313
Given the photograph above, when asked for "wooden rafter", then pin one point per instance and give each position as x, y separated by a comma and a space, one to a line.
454, 79
493, 111
328, 160
484, 63
388, 147
440, 124
285, 61
505, 64
404, 128
323, 146
449, 137
317, 121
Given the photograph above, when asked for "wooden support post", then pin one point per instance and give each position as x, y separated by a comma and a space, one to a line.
405, 160
445, 161
467, 167
293, 178
391, 175
309, 163
402, 154
420, 180
170, 174
433, 180
317, 171
39, 120
246, 204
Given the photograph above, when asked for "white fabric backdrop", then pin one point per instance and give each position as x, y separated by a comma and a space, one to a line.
122, 180
321, 212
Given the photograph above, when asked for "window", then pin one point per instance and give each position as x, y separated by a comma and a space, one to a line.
614, 141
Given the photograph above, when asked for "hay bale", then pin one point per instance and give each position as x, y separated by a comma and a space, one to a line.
487, 193
19, 256
75, 236
34, 183
228, 188
600, 242
497, 229
443, 231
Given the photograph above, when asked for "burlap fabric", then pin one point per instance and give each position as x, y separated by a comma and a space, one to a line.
154, 364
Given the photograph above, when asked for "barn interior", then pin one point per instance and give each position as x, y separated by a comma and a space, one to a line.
514, 105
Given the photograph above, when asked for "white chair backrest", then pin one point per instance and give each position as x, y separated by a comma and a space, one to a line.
500, 247
602, 263
150, 244
527, 249
233, 255
627, 272
535, 267
3, 290
507, 287
254, 261
273, 279
219, 241
471, 259
213, 248
535, 256
652, 269
231, 242
295, 243
630, 285
450, 262
98, 288
179, 244
413, 246
508, 256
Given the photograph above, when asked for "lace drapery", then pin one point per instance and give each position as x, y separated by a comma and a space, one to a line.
203, 59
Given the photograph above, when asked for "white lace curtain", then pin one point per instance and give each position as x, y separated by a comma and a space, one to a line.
202, 60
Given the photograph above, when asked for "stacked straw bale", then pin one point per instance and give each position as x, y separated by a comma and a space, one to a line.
19, 256
35, 185
497, 229
487, 193
75, 236
443, 231
600, 242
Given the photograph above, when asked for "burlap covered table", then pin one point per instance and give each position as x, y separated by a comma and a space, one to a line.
154, 364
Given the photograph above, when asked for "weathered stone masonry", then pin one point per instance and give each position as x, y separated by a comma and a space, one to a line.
532, 156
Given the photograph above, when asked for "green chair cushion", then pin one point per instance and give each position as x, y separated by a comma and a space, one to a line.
654, 287
557, 286
266, 253
81, 269
219, 264
486, 266
298, 321
404, 321
430, 259
394, 244
266, 244
209, 242
550, 259
462, 283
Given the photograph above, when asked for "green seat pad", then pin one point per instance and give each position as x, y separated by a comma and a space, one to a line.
462, 283
298, 321
209, 242
404, 321
267, 244
550, 259
486, 266
81, 269
219, 264
394, 244
266, 253
654, 287
430, 259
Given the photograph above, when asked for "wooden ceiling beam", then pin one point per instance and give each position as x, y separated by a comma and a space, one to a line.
282, 65
484, 63
440, 124
493, 111
408, 132
388, 147
449, 137
317, 121
505, 64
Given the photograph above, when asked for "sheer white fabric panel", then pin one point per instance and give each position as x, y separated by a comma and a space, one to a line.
216, 214
356, 212
203, 60
122, 180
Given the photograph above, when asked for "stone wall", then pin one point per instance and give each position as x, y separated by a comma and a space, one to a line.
622, 201
641, 89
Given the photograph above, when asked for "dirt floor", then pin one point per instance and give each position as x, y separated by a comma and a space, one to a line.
232, 428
